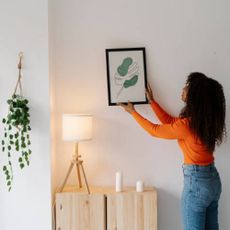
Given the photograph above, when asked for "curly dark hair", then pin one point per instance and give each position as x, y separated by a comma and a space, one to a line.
205, 108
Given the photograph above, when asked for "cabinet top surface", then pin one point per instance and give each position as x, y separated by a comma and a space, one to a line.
105, 190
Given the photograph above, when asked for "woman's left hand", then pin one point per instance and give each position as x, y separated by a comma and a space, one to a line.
149, 93
128, 108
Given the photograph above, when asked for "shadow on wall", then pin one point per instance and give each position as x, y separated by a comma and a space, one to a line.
169, 211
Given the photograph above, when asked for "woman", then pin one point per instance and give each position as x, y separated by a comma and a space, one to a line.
198, 129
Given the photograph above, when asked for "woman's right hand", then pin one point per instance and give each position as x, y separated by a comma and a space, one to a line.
129, 107
149, 93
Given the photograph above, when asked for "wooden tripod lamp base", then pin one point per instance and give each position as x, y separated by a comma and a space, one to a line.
78, 162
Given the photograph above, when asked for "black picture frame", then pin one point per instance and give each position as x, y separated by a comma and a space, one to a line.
126, 75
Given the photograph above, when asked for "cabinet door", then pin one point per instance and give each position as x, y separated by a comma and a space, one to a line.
132, 211
80, 211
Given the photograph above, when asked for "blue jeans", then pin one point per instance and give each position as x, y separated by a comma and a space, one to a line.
202, 189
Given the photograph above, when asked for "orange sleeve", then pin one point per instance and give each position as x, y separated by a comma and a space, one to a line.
162, 115
175, 130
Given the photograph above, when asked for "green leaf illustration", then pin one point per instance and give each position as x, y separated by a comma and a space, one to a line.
124, 67
131, 82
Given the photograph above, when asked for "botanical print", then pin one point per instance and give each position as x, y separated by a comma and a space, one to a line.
127, 74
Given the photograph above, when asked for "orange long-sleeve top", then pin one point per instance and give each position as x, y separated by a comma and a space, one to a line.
176, 128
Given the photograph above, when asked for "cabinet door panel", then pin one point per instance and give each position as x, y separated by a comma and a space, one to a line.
80, 211
132, 211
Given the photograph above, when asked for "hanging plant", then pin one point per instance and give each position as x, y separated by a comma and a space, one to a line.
16, 131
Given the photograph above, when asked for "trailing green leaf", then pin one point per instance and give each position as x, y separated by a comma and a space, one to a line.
16, 135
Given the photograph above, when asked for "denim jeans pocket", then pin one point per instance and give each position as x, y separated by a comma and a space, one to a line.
208, 189
205, 191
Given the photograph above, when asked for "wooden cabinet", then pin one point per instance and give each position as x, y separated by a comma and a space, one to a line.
132, 211
104, 209
80, 211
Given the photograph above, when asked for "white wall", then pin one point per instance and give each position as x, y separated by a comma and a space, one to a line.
180, 37
24, 27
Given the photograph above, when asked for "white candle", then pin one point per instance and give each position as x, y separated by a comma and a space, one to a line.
119, 181
139, 186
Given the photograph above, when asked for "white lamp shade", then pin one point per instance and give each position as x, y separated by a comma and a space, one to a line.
76, 127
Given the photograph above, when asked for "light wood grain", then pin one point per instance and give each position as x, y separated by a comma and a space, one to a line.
80, 211
126, 210
104, 190
132, 211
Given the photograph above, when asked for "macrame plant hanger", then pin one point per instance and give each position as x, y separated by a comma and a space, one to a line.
19, 84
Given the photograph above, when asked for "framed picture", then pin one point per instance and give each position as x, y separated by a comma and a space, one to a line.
126, 75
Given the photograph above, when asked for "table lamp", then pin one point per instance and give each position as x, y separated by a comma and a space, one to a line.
76, 128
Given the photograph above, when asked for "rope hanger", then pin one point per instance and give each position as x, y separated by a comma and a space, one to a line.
19, 84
